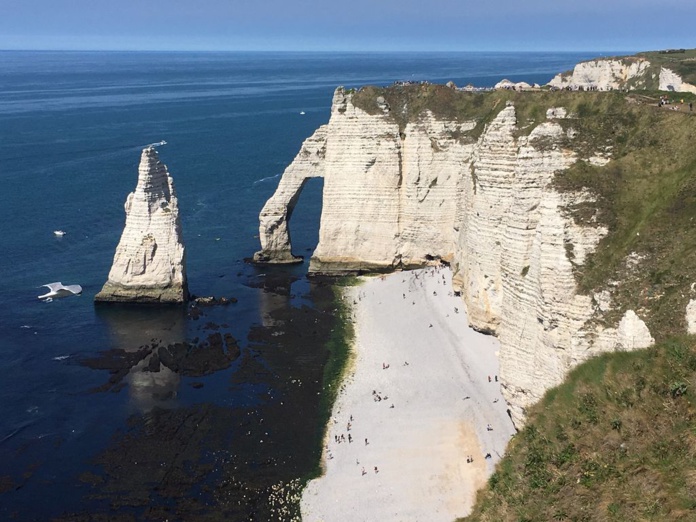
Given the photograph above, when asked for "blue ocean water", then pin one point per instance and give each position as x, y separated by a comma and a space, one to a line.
72, 125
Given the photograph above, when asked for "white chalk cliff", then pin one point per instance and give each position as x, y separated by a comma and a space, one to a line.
389, 199
149, 265
403, 197
671, 81
620, 73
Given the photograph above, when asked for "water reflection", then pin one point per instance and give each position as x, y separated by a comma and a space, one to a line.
276, 294
133, 329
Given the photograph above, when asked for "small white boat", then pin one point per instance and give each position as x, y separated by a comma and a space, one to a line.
59, 233
59, 290
302, 113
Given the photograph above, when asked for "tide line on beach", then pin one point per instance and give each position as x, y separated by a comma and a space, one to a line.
418, 412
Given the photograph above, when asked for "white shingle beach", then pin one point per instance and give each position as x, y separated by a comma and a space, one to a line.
416, 403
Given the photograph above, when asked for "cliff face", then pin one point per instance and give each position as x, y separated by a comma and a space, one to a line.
621, 73
149, 265
513, 266
399, 195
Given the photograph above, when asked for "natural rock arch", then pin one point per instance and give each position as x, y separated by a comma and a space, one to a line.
274, 231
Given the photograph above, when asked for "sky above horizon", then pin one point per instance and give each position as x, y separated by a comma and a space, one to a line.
358, 25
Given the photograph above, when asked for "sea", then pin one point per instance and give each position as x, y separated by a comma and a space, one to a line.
89, 428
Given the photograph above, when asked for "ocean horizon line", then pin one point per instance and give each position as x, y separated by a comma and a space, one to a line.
325, 51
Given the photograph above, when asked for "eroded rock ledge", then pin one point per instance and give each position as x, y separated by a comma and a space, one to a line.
478, 195
149, 265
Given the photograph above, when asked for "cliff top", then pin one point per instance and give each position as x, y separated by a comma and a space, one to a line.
682, 62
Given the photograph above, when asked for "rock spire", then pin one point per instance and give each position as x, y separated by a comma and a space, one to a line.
150, 263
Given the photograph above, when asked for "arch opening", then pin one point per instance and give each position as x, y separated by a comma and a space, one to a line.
304, 218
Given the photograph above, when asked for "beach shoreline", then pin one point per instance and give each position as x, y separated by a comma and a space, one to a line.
418, 410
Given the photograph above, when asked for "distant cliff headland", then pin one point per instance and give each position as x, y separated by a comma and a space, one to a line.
673, 70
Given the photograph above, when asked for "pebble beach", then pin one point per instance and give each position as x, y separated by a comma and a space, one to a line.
419, 422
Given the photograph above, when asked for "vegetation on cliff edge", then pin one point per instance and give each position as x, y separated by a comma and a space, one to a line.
646, 197
682, 63
616, 442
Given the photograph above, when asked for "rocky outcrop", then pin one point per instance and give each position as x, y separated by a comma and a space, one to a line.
691, 317
670, 81
402, 196
519, 86
631, 334
149, 265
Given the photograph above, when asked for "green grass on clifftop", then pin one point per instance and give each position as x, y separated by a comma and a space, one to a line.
682, 63
646, 197
615, 442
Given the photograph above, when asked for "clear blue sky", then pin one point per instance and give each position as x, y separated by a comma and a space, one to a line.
375, 25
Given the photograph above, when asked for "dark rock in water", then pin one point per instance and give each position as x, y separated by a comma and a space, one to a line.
118, 363
213, 301
153, 364
218, 352
115, 360
195, 312
275, 281
212, 462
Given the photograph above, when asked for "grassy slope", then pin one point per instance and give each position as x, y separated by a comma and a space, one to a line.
615, 442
